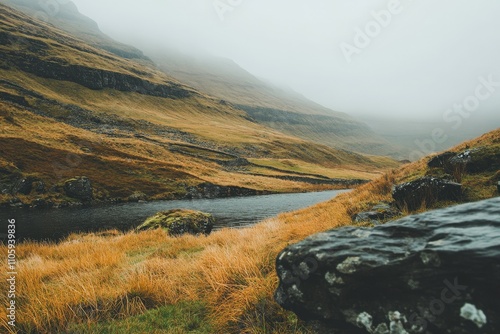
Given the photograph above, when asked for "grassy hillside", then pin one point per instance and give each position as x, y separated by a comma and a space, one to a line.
69, 109
223, 283
226, 80
65, 15
275, 107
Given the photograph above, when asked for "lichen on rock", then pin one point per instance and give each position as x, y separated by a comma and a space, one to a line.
410, 276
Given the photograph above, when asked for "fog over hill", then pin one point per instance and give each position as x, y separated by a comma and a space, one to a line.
391, 64
428, 57
84, 118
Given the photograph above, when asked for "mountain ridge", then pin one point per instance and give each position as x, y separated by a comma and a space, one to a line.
226, 80
129, 128
65, 15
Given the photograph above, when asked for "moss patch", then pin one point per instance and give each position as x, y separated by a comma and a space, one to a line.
185, 317
178, 222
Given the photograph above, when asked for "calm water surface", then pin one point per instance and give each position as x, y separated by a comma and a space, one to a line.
229, 212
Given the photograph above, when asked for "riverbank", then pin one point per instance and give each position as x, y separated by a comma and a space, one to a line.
106, 282
206, 190
55, 225
223, 283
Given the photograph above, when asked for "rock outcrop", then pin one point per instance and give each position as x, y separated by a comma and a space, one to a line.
476, 160
436, 272
376, 214
479, 160
210, 190
99, 79
179, 222
15, 184
441, 160
425, 191
79, 188
137, 197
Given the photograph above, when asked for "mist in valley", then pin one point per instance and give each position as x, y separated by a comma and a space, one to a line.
425, 75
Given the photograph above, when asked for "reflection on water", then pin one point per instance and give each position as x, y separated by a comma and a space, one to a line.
229, 212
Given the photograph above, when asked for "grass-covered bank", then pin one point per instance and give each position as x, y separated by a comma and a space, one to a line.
222, 283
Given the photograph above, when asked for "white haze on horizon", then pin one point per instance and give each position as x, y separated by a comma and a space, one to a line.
423, 58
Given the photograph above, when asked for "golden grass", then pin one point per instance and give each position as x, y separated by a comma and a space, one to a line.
342, 171
87, 276
96, 277
120, 164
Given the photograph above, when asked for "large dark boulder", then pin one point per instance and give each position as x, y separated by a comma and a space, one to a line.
441, 160
79, 188
425, 191
436, 272
479, 160
15, 185
23, 186
178, 222
472, 161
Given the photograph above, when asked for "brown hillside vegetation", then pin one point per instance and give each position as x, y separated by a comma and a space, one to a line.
284, 110
69, 109
223, 283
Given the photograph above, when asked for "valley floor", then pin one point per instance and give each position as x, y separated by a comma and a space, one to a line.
39, 155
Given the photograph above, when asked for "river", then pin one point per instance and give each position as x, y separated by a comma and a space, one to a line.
55, 224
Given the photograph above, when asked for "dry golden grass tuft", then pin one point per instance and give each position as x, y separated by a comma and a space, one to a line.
95, 277
99, 277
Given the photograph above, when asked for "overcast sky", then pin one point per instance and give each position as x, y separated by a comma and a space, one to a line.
419, 59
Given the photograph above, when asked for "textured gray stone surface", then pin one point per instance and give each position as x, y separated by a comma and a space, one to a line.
436, 272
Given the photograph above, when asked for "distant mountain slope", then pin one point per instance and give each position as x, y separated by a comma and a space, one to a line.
219, 76
281, 109
69, 109
417, 136
65, 15
226, 80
